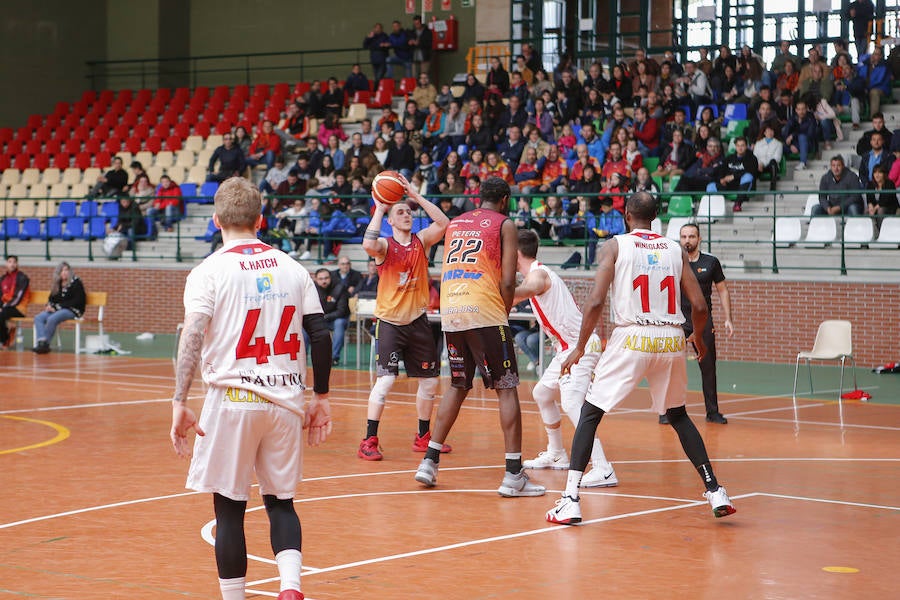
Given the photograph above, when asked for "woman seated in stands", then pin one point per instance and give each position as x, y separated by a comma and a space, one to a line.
329, 127
380, 150
333, 149
882, 195
768, 152
67, 301
326, 174
676, 157
707, 118
242, 140
451, 165
143, 192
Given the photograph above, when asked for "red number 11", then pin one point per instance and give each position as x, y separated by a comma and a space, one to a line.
642, 282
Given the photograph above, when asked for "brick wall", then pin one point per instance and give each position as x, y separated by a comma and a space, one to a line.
772, 319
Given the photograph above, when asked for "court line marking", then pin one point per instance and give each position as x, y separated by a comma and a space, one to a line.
825, 423
62, 433
89, 405
827, 501
780, 408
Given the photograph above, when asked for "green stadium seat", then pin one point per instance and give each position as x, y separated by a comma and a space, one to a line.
680, 206
651, 162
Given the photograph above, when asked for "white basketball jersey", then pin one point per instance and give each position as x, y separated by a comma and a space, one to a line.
646, 289
256, 297
557, 311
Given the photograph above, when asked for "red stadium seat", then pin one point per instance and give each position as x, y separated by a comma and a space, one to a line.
43, 133
222, 92
72, 145
407, 85
101, 132
189, 116
201, 91
53, 147
113, 145
386, 84
124, 96
23, 134
241, 91
158, 105
14, 147
33, 147
150, 118
6, 135
72, 120
165, 94
181, 93
381, 98
211, 115
35, 121
141, 131
5, 162
161, 130
257, 103
42, 161
197, 104
92, 120
61, 161
216, 103
118, 107
230, 115
81, 108
22, 162
102, 160
301, 88
122, 131
93, 145
182, 130
222, 128
133, 145
62, 133
145, 95
170, 117
236, 104
203, 129
83, 161
110, 119
130, 118
273, 113
173, 142
154, 144
61, 109
362, 97
282, 89
138, 105
89, 96
53, 121
261, 90
107, 96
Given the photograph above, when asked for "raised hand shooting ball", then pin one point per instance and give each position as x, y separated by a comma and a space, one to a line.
388, 187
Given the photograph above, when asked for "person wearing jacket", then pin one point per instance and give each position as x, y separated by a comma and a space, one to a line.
403, 52
839, 179
378, 44
67, 301
737, 172
700, 174
877, 76
800, 133
167, 202
335, 301
14, 293
768, 152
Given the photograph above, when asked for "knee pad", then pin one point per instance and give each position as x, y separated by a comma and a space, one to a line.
428, 387
381, 388
543, 397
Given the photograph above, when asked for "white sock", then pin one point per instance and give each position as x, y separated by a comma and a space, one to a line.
572, 483
289, 564
554, 439
232, 589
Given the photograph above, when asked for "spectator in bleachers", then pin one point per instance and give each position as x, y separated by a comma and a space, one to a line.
369, 284
511, 148
615, 161
313, 153
143, 192
785, 107
540, 85
666, 77
367, 134
800, 134
704, 64
817, 84
815, 58
701, 136
112, 183
619, 120
554, 172
453, 185
615, 187
472, 194
167, 203
325, 175
513, 116
725, 59
876, 79
789, 79
412, 112
356, 81
493, 107
420, 42
426, 169
355, 168
130, 222
524, 70
413, 134
861, 13
433, 127
737, 173
542, 120
472, 90
389, 117
587, 187
444, 97
633, 157
67, 301
646, 131
399, 39
528, 172
566, 141
594, 143
380, 150
450, 165
356, 148
294, 127
759, 120
230, 159
333, 149
640, 77
784, 56
701, 173
676, 157
378, 44
479, 136
401, 157
291, 186
359, 203
882, 195
303, 167
425, 92
678, 122
730, 86
518, 88
14, 294
497, 168
768, 152
640, 58
708, 118
242, 140
764, 95
643, 182
265, 146
608, 223
329, 127
695, 85
839, 179
312, 100
842, 100
522, 216
534, 140
878, 155
333, 98
335, 305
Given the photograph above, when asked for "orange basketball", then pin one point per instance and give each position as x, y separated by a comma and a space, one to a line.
388, 187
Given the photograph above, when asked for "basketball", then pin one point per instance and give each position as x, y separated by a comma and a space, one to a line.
388, 187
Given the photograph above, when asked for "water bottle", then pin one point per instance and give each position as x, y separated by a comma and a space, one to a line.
20, 339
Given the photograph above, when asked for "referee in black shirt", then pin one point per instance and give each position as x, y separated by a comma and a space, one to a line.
708, 271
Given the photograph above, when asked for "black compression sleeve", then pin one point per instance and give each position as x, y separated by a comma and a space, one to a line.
319, 349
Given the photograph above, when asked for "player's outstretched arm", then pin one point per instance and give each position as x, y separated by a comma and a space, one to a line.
375, 245
183, 418
509, 246
593, 306
699, 313
432, 234
535, 283
319, 351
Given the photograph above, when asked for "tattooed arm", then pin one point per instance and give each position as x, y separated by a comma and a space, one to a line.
183, 418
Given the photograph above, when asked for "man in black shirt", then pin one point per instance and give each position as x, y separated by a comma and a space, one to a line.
230, 159
708, 271
737, 172
336, 305
113, 183
865, 142
402, 157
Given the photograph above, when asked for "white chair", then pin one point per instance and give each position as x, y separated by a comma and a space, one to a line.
788, 231
858, 231
673, 232
822, 231
194, 143
890, 231
833, 342
355, 114
811, 201
711, 209
656, 226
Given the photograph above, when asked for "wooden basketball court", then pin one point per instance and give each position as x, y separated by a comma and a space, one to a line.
93, 503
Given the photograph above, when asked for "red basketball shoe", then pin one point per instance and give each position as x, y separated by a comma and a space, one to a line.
420, 444
368, 449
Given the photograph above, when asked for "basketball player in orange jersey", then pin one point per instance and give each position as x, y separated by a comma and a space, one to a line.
244, 308
478, 282
648, 273
402, 329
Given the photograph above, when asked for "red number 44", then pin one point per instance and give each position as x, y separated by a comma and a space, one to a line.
642, 282
258, 348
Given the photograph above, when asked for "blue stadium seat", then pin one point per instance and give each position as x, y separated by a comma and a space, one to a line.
10, 229
67, 208
420, 223
97, 228
88, 209
53, 228
211, 230
110, 209
386, 229
73, 228
735, 112
31, 229
207, 191
189, 192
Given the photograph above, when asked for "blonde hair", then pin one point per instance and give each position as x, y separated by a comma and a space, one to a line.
238, 203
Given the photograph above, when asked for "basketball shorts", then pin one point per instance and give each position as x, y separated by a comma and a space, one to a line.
580, 375
490, 350
414, 343
247, 437
639, 351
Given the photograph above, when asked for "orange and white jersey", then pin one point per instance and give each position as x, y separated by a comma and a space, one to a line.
556, 310
256, 297
470, 278
646, 289
403, 284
